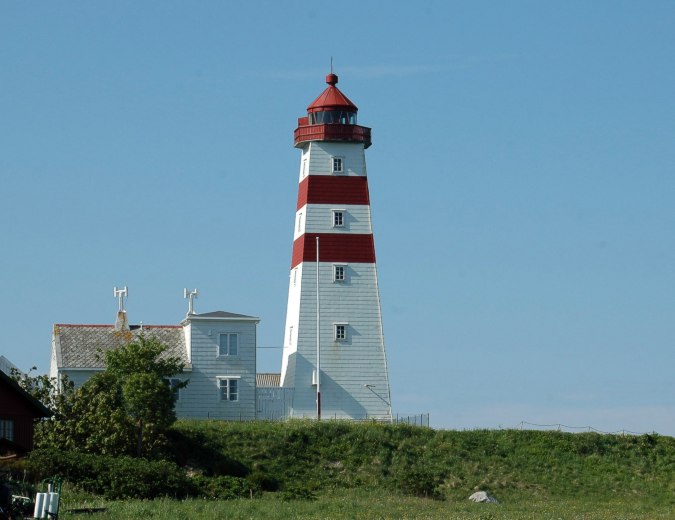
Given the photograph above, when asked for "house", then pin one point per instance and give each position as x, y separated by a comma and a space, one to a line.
218, 350
7, 366
18, 411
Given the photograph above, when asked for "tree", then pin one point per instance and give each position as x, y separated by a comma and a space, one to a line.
50, 392
124, 410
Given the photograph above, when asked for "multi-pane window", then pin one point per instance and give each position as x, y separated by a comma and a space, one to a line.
7, 429
338, 218
338, 166
340, 332
229, 389
339, 273
174, 384
228, 345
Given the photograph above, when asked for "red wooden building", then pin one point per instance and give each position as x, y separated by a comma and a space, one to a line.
18, 411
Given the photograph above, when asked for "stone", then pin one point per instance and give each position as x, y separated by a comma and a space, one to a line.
484, 497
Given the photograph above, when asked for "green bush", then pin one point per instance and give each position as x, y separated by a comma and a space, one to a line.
222, 488
297, 493
112, 477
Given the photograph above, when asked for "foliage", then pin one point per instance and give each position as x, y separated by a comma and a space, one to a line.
297, 493
112, 477
124, 410
434, 463
46, 389
222, 487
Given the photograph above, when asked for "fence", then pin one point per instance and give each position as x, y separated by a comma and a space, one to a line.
524, 425
421, 419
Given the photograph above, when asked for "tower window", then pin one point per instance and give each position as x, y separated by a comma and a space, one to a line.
299, 222
339, 273
338, 218
228, 345
337, 165
340, 332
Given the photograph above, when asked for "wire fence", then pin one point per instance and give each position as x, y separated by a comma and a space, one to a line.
420, 419
524, 425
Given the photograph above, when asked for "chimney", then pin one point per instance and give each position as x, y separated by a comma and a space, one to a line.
122, 322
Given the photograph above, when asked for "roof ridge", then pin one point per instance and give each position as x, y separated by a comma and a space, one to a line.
112, 326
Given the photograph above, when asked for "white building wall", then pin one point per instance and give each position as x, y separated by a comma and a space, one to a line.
354, 377
317, 156
346, 366
318, 218
201, 398
79, 377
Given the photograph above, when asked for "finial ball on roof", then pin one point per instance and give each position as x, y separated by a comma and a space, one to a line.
332, 79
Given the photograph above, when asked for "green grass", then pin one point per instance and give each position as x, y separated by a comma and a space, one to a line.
365, 505
373, 471
341, 455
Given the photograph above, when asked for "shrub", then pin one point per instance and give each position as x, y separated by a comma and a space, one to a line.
223, 487
112, 477
259, 481
297, 493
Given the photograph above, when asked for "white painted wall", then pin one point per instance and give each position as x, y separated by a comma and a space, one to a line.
201, 398
347, 366
318, 156
318, 218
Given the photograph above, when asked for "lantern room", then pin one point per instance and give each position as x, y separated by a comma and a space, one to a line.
331, 117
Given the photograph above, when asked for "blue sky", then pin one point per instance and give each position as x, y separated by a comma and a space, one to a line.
521, 176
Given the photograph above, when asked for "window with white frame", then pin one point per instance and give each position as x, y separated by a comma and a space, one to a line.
299, 222
339, 272
340, 332
304, 167
295, 277
290, 335
228, 344
228, 389
337, 164
7, 429
338, 218
174, 385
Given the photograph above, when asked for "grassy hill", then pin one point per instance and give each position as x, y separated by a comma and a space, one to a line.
418, 461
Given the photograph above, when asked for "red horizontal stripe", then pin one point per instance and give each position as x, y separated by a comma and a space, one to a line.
333, 189
334, 247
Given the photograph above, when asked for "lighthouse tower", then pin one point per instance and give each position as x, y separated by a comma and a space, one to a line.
341, 372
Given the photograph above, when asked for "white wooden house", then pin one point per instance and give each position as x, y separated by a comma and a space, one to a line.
217, 348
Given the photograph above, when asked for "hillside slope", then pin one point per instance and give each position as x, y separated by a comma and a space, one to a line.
423, 461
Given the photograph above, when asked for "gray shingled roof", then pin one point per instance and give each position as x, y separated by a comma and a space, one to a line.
77, 346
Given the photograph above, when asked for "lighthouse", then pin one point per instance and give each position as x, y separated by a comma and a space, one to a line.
334, 354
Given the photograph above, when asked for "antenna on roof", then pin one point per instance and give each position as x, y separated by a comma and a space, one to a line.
331, 64
191, 295
120, 294
122, 322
